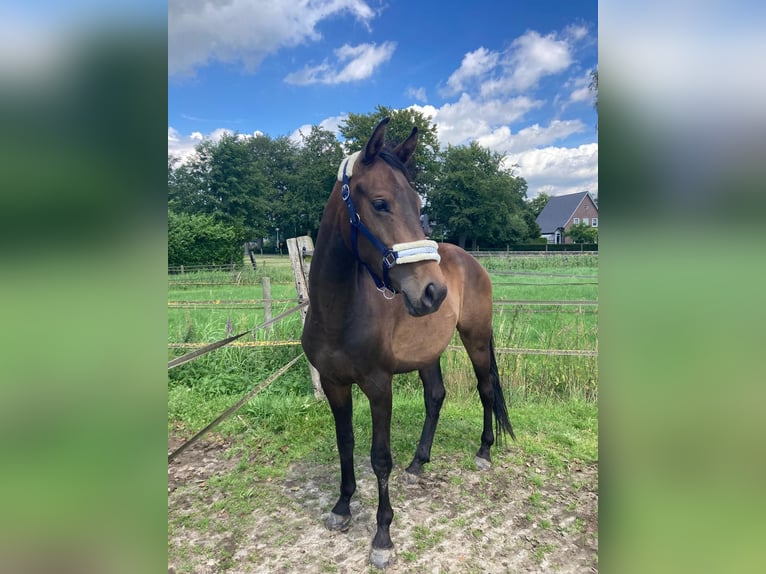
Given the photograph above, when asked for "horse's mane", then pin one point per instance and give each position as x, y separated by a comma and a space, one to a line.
388, 156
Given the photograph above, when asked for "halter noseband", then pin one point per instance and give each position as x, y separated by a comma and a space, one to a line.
399, 253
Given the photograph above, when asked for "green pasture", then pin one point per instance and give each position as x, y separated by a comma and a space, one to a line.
554, 400
207, 306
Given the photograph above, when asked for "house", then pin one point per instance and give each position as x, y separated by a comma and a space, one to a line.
563, 211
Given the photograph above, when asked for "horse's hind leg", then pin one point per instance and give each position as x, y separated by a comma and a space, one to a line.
341, 404
479, 351
433, 393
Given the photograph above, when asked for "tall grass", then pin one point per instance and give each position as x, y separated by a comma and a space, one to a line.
231, 370
277, 268
564, 260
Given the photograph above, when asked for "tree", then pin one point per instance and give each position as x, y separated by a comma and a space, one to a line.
475, 199
275, 160
537, 204
424, 167
239, 187
186, 184
582, 233
316, 170
242, 181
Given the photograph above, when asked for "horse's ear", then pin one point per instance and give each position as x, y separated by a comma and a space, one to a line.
405, 149
376, 142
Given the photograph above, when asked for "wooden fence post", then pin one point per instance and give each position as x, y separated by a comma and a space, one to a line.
300, 249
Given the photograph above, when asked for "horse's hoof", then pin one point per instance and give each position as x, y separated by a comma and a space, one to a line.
382, 557
336, 522
482, 463
408, 477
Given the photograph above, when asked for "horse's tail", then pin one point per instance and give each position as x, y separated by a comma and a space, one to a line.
502, 422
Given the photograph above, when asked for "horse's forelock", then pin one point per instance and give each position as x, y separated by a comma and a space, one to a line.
388, 156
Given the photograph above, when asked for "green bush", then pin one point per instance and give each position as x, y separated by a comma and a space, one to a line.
201, 240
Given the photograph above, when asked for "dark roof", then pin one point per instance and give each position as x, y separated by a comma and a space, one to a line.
558, 210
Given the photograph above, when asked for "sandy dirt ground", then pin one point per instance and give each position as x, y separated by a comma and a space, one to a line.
515, 517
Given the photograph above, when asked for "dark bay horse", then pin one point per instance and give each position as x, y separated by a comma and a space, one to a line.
385, 300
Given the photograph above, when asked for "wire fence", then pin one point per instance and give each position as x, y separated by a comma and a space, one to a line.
248, 276
453, 348
246, 266
261, 303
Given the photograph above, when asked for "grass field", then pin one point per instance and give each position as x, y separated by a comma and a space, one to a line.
554, 409
205, 307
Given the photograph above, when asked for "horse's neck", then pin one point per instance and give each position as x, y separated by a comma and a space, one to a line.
333, 279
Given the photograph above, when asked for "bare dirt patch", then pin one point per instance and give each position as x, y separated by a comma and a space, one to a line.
516, 517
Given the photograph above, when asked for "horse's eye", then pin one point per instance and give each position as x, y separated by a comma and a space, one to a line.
380, 205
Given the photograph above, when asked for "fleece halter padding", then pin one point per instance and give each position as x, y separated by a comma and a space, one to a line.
413, 251
348, 165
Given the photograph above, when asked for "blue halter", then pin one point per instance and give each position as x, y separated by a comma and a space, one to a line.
389, 257
407, 252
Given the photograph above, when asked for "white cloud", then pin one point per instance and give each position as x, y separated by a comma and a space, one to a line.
246, 31
558, 170
503, 141
486, 112
469, 119
353, 63
581, 95
418, 94
183, 147
474, 65
549, 169
576, 32
579, 89
530, 58
331, 124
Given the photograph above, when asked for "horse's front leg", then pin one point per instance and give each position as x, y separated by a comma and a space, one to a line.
382, 552
341, 404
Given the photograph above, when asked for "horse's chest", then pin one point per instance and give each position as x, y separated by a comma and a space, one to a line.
343, 351
346, 357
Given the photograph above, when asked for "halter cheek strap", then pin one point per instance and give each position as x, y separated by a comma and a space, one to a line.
399, 253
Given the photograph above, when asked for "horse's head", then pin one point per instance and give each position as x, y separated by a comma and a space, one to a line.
384, 229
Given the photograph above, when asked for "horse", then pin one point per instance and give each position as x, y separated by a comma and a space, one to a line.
384, 300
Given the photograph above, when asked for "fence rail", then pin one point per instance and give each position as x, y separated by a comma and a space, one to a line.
227, 304
180, 269
245, 274
511, 251
527, 253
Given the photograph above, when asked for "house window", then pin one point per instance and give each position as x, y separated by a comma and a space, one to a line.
576, 220
595, 222
586, 221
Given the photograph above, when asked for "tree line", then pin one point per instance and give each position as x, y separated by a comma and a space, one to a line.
244, 188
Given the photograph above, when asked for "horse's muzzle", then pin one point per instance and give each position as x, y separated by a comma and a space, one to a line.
429, 301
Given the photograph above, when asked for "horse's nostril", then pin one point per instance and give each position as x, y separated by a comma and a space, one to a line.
429, 294
433, 295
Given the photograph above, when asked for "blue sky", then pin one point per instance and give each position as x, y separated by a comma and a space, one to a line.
512, 76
